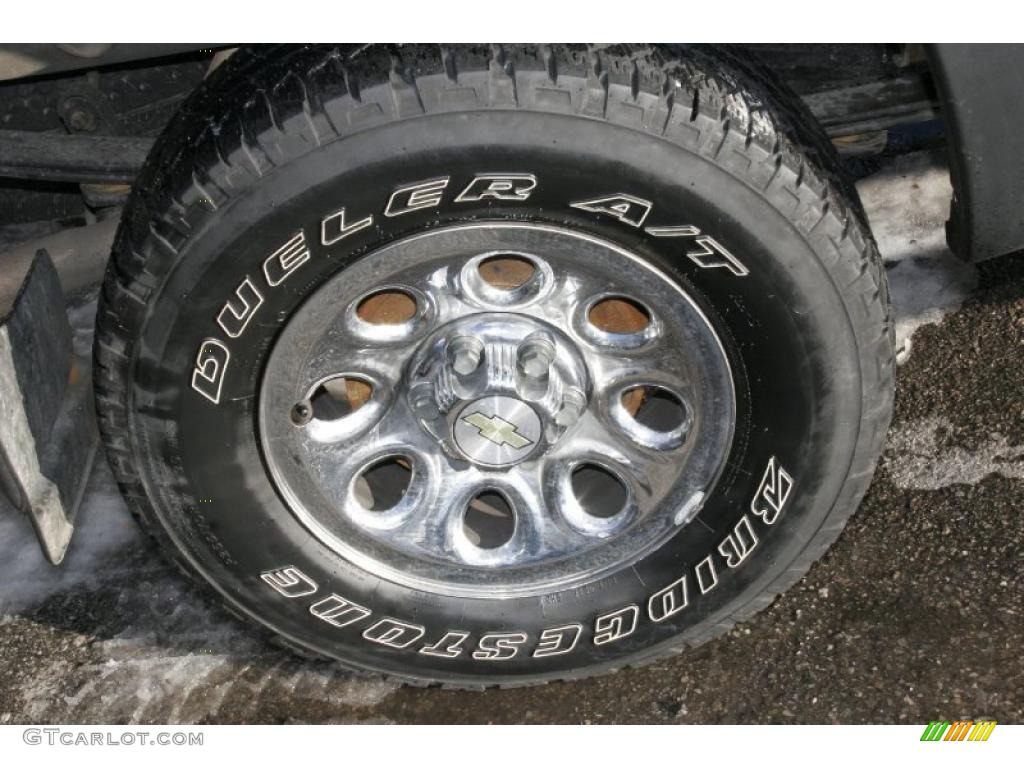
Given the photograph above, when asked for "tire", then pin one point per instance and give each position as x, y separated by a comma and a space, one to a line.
690, 162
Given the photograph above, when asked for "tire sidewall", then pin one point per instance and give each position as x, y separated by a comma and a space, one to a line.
789, 342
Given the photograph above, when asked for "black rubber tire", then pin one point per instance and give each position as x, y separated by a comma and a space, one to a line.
280, 137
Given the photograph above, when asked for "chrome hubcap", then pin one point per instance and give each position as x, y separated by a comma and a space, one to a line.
496, 410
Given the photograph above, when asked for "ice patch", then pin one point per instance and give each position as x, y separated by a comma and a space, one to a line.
142, 683
104, 532
916, 460
907, 205
156, 651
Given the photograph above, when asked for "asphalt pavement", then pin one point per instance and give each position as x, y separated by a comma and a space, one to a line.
916, 614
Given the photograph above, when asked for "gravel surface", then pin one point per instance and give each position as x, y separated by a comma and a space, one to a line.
916, 613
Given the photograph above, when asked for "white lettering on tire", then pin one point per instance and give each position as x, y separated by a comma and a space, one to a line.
279, 265
337, 611
713, 255
558, 640
211, 365
426, 194
497, 186
334, 228
394, 633
499, 646
707, 577
449, 647
616, 625
668, 601
772, 494
738, 545
236, 313
290, 582
626, 208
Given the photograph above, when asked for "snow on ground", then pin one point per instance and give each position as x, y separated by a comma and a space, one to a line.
104, 532
156, 650
917, 458
907, 205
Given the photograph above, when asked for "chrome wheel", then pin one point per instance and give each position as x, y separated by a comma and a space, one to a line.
496, 409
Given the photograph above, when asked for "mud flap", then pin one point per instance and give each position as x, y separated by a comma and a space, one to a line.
48, 434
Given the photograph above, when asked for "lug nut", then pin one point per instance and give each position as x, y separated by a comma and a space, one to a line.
423, 402
572, 409
535, 357
465, 353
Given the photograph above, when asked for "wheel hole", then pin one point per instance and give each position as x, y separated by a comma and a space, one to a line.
599, 492
506, 272
656, 408
388, 307
384, 484
338, 397
489, 521
619, 314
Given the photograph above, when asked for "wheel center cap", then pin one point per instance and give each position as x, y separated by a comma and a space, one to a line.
496, 388
497, 430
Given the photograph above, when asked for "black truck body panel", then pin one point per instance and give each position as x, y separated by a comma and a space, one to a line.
981, 88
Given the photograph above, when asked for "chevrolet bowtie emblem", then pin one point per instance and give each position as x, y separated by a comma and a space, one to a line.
497, 430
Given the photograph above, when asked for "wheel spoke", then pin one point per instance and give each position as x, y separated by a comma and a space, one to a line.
646, 470
341, 354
